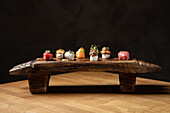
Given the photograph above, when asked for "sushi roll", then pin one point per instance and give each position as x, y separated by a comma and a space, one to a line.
123, 55
59, 53
105, 52
94, 53
47, 56
80, 53
69, 55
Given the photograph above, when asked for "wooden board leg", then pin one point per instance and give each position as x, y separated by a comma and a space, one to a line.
38, 83
127, 82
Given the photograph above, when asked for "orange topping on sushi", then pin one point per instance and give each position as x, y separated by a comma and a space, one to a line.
105, 50
80, 53
60, 51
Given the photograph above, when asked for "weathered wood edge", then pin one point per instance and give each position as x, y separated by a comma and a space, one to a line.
22, 69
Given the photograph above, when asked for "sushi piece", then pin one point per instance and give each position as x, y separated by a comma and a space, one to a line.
60, 53
69, 55
47, 55
80, 53
94, 53
105, 52
123, 55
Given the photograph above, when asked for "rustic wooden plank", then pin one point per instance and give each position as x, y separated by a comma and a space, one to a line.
112, 64
130, 66
38, 70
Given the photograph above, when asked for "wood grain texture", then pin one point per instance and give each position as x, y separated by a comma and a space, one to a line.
114, 65
22, 69
86, 92
38, 78
38, 83
127, 82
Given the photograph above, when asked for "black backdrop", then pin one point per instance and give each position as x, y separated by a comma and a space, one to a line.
28, 27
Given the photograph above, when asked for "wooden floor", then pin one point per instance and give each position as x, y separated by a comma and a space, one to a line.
86, 92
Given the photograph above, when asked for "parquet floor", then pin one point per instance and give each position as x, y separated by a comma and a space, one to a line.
86, 92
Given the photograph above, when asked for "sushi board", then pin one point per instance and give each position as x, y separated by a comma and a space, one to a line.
39, 71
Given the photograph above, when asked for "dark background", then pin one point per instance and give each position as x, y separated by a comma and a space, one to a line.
29, 27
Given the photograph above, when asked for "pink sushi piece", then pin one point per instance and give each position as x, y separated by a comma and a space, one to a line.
123, 55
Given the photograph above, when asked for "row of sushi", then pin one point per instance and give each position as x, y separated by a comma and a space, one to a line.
80, 54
